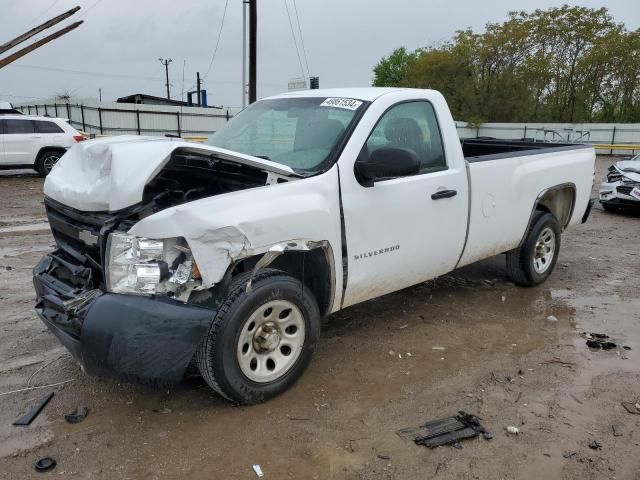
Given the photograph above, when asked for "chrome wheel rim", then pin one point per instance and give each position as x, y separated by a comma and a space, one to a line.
544, 250
49, 161
270, 341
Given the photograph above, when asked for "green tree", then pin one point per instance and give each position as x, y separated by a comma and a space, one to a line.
392, 69
569, 64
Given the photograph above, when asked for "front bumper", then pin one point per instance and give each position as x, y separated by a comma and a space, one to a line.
128, 336
618, 194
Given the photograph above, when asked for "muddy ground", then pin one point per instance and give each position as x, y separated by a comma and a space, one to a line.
376, 371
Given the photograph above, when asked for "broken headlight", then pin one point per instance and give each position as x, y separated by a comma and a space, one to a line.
143, 266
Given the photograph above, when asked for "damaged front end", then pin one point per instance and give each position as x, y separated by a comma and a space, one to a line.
120, 303
621, 187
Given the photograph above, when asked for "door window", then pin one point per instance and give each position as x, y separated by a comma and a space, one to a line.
411, 125
47, 127
13, 126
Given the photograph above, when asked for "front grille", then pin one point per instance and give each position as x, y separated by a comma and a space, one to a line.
78, 234
624, 189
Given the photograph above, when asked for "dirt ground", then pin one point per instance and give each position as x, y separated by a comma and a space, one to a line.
376, 371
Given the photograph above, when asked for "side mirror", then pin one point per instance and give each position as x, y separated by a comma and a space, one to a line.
387, 162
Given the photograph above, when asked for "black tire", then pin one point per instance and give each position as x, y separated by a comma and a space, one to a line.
217, 356
520, 261
46, 160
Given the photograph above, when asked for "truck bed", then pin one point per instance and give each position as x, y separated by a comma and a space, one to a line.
482, 149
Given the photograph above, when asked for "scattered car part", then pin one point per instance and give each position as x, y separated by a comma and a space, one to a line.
595, 445
631, 407
78, 415
445, 431
45, 464
35, 410
601, 344
258, 470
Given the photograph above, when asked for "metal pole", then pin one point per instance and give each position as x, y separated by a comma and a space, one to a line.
178, 117
166, 63
253, 44
84, 126
198, 88
138, 120
613, 139
244, 53
100, 119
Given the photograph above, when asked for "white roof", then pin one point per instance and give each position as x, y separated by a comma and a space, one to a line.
368, 94
17, 116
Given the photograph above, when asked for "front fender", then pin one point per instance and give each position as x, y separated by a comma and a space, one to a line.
223, 229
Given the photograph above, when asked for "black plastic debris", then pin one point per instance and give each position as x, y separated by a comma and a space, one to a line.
446, 431
601, 344
35, 410
595, 445
45, 464
78, 415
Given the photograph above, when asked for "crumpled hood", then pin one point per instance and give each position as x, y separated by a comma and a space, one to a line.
110, 174
630, 169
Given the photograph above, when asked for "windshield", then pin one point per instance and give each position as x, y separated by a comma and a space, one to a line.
302, 133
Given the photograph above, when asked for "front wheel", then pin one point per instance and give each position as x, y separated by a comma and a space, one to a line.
261, 341
532, 262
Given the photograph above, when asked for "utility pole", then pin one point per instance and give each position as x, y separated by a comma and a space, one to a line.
34, 31
198, 83
100, 93
253, 43
30, 48
244, 53
166, 63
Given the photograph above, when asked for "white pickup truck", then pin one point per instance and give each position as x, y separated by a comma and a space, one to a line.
226, 255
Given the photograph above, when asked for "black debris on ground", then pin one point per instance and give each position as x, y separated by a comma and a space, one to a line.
595, 445
446, 431
33, 412
45, 464
78, 415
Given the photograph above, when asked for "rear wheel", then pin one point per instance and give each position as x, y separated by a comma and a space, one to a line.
46, 161
532, 262
260, 342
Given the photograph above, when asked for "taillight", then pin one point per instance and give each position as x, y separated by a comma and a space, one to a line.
78, 138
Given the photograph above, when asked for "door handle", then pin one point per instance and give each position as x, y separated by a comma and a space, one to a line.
444, 194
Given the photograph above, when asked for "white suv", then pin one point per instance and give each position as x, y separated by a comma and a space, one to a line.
34, 142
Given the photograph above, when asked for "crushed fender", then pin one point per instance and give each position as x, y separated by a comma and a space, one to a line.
35, 410
445, 431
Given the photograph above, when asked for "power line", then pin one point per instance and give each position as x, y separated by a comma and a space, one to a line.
293, 35
81, 72
215, 50
304, 50
83, 14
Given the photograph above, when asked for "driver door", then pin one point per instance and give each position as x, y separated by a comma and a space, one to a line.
404, 230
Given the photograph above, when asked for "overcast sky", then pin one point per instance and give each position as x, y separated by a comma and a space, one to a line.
118, 46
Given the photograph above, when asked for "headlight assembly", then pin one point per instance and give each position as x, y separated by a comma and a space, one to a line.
143, 266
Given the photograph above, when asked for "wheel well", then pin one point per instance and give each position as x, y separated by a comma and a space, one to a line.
558, 201
310, 267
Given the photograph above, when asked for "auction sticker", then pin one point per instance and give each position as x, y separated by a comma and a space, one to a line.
348, 103
635, 193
